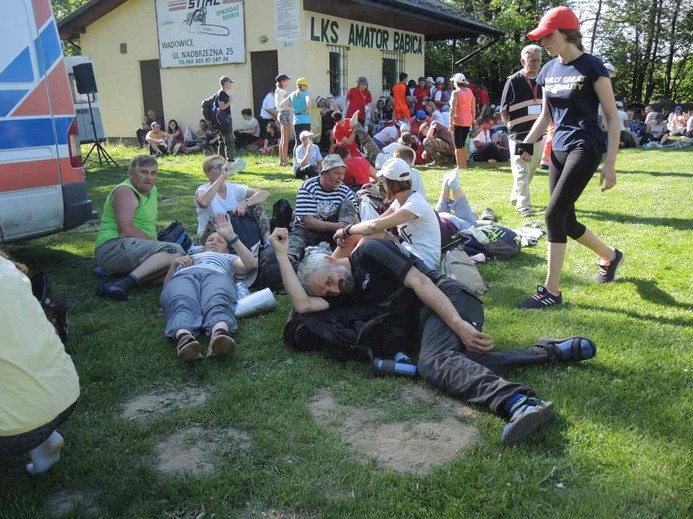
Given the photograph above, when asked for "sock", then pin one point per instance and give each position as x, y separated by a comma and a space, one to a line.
566, 348
45, 455
513, 402
127, 282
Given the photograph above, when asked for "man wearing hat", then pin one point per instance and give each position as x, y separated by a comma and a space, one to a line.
520, 107
419, 123
307, 157
227, 145
323, 205
439, 93
359, 98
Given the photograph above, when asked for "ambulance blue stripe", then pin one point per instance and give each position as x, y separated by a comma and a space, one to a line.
19, 70
49, 47
9, 99
28, 133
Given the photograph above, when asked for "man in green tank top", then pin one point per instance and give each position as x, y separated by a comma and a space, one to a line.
127, 242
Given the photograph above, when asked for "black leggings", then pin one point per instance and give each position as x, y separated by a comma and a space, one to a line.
461, 133
569, 174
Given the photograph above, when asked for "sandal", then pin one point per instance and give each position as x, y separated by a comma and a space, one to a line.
188, 349
576, 350
221, 345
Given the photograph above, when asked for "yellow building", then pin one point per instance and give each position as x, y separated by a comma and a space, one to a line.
169, 54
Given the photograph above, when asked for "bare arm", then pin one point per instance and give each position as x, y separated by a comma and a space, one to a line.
125, 203
384, 221
300, 300
246, 262
436, 300
504, 115
256, 196
606, 97
540, 125
180, 261
204, 198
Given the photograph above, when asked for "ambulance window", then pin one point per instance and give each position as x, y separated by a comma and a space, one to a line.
18, 56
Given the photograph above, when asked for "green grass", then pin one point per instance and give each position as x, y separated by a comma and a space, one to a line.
621, 446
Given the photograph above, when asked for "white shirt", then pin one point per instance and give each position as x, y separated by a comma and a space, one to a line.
624, 117
445, 118
252, 125
234, 193
268, 102
387, 135
420, 236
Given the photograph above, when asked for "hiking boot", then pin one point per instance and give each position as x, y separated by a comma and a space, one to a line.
527, 416
607, 271
542, 299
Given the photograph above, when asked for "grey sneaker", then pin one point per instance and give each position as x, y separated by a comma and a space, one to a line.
607, 271
526, 419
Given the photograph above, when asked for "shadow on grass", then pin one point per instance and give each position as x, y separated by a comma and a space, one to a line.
681, 224
655, 319
649, 291
658, 173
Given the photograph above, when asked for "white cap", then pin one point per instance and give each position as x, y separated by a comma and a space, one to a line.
610, 68
619, 104
459, 78
395, 169
304, 134
404, 127
429, 79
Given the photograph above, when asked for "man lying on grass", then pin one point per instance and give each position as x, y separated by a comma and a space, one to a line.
454, 355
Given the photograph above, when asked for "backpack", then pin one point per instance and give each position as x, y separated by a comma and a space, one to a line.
175, 233
495, 241
246, 228
55, 307
457, 265
208, 108
220, 118
282, 214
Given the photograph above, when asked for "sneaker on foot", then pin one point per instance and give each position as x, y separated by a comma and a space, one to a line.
188, 348
488, 214
112, 291
528, 416
542, 299
607, 271
221, 345
525, 212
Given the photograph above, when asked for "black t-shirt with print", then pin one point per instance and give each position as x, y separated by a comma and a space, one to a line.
379, 268
223, 97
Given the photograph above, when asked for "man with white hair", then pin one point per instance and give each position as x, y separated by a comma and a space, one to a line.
520, 107
454, 354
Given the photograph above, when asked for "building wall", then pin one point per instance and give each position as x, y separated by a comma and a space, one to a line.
134, 23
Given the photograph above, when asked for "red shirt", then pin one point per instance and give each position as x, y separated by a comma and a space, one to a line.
482, 96
357, 171
341, 131
358, 99
420, 94
416, 124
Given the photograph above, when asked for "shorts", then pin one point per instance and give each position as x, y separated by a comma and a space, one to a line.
123, 255
461, 133
285, 117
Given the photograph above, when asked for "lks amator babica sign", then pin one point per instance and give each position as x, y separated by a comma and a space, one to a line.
194, 33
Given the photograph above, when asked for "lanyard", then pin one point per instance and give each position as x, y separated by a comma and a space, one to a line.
533, 87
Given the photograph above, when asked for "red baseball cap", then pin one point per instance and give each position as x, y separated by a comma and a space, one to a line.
557, 18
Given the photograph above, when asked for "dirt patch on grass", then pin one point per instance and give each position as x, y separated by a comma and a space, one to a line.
144, 408
407, 446
196, 450
68, 501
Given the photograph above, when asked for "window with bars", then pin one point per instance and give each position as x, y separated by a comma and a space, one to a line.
339, 67
393, 64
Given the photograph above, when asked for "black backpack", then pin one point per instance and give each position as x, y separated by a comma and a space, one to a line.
282, 214
175, 233
55, 307
501, 243
208, 109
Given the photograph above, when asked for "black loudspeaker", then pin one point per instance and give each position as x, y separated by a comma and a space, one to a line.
84, 78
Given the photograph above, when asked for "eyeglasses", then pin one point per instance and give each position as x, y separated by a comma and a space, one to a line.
217, 166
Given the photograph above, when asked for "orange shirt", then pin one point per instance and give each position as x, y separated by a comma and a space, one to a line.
463, 111
399, 95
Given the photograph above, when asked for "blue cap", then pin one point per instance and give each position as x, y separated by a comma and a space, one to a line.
421, 114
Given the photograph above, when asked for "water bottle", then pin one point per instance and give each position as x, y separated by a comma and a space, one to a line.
480, 235
394, 368
241, 291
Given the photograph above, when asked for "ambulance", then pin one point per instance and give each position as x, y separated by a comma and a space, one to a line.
42, 182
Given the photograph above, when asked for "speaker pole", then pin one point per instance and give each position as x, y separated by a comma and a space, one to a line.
101, 153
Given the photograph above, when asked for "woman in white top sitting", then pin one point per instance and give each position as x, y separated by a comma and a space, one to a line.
220, 196
199, 293
416, 221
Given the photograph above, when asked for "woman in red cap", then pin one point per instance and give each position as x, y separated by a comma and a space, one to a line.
574, 84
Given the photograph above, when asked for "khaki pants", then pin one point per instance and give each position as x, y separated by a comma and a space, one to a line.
523, 173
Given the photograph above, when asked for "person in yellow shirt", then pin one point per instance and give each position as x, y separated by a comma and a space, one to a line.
38, 381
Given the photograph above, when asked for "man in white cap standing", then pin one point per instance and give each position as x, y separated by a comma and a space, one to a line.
520, 107
439, 93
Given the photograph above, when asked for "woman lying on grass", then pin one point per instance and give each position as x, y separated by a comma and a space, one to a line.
199, 293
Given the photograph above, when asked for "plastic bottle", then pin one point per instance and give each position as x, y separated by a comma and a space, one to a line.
241, 291
393, 368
